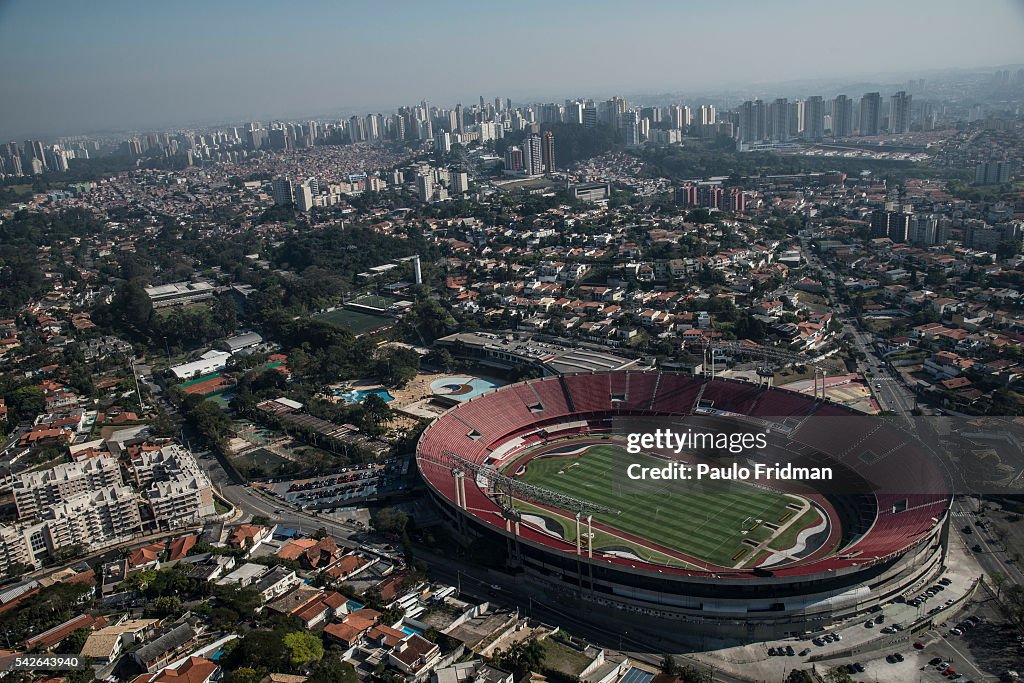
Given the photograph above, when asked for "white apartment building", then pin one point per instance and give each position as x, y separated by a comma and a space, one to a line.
181, 501
35, 492
94, 520
177, 489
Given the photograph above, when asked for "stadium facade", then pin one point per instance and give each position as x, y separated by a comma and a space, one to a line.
892, 537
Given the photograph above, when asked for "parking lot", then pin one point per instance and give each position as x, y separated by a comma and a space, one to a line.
347, 485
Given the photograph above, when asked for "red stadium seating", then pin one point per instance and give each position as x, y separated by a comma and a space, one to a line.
676, 394
590, 392
904, 511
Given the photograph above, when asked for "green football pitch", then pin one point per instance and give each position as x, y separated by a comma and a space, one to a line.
707, 520
356, 322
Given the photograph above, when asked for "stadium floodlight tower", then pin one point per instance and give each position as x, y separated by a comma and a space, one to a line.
770, 359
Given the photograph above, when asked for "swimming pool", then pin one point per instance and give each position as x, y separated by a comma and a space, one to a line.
359, 395
462, 388
409, 631
353, 605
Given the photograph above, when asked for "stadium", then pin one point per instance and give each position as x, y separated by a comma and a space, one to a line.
532, 464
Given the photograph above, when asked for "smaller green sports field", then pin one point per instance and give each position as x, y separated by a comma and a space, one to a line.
717, 522
357, 322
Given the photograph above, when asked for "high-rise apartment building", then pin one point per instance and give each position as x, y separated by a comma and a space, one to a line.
842, 117
548, 151
779, 120
814, 119
870, 114
303, 197
708, 116
752, 121
514, 158
533, 155
425, 187
443, 141
281, 189
992, 173
899, 113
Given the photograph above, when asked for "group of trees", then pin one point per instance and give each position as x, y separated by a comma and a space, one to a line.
685, 672
131, 311
52, 605
21, 278
208, 419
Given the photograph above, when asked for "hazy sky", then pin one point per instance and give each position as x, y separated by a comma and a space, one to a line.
86, 65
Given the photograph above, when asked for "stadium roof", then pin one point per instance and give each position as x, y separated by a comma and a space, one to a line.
524, 349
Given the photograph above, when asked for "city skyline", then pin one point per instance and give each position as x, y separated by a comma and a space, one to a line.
219, 70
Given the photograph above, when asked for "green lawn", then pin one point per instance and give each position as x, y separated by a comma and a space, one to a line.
357, 322
703, 519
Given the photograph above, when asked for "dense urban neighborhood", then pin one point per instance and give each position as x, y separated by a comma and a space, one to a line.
219, 349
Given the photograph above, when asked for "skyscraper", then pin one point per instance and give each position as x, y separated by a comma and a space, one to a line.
842, 117
533, 156
630, 127
614, 109
708, 117
281, 189
304, 196
548, 149
425, 187
356, 129
779, 113
899, 113
870, 114
752, 121
373, 127
443, 141
513, 159
814, 118
677, 117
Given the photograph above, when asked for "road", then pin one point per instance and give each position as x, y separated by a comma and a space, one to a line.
884, 384
992, 557
479, 583
473, 580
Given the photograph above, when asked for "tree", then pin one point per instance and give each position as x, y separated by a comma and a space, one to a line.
838, 675
132, 305
799, 676
304, 648
73, 644
375, 412
225, 315
243, 675
669, 666
691, 674
331, 670
998, 580
389, 521
167, 605
1008, 248
521, 658
261, 650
